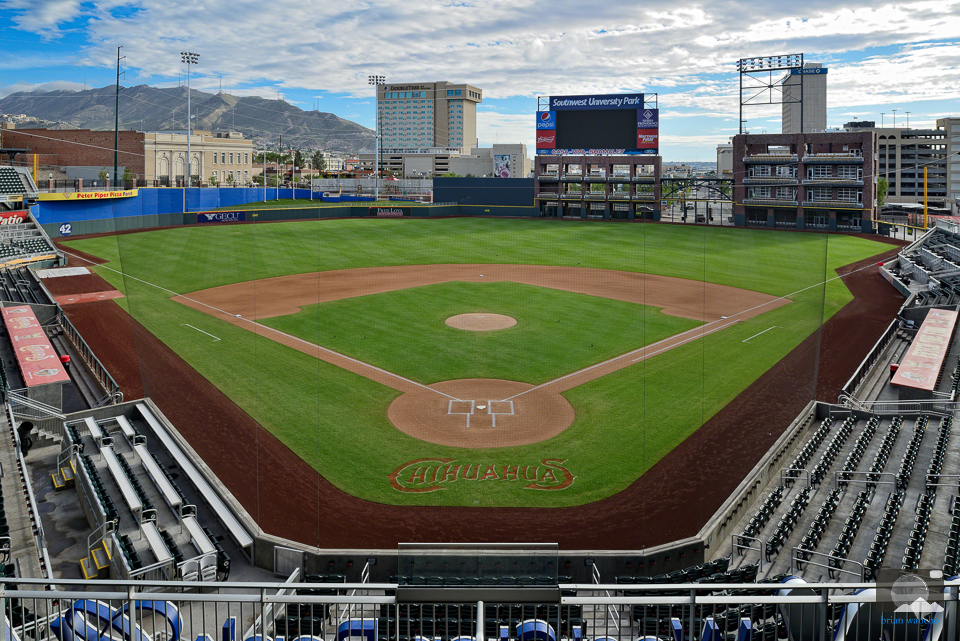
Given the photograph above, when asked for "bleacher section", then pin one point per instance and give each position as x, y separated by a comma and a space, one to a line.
930, 267
143, 524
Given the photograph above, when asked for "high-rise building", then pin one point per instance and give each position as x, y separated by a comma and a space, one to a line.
812, 103
904, 153
428, 115
952, 128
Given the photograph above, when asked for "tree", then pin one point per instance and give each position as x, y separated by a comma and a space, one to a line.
127, 175
213, 179
883, 185
103, 175
318, 161
298, 159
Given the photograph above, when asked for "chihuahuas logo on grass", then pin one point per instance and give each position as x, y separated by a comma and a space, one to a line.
432, 474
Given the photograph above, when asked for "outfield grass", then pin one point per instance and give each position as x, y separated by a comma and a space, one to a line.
336, 420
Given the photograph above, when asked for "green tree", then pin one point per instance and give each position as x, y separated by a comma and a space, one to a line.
318, 161
127, 175
883, 186
103, 174
298, 159
213, 179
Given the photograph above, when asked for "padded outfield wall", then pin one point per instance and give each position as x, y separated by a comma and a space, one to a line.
170, 207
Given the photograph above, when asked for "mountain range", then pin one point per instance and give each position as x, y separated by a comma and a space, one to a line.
147, 108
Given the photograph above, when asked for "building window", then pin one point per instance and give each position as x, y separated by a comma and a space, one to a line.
760, 192
849, 172
785, 193
246, 176
848, 195
223, 158
760, 171
214, 158
819, 171
786, 171
231, 159
246, 159
820, 194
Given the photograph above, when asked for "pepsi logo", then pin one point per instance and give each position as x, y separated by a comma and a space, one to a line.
544, 116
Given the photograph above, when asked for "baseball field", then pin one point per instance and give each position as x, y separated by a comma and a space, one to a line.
479, 362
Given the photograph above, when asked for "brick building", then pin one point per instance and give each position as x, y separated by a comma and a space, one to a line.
159, 158
806, 181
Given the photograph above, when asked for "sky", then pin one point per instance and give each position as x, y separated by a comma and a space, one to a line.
884, 59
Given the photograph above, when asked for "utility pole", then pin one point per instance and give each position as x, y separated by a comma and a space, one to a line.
116, 126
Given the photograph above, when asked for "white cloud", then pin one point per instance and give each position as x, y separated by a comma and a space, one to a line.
59, 85
42, 16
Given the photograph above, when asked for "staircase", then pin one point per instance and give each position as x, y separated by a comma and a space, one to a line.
96, 565
66, 474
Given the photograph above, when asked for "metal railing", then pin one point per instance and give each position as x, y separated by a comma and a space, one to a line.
850, 387
110, 386
687, 612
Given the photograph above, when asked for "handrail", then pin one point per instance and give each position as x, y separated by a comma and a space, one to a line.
860, 373
53, 412
109, 384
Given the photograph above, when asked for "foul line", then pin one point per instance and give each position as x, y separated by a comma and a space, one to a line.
755, 335
542, 385
199, 330
268, 329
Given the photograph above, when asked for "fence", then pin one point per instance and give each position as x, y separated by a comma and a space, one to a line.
850, 388
115, 610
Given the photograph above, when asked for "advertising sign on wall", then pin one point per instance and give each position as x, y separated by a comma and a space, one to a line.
39, 362
647, 138
222, 217
391, 212
921, 365
501, 166
606, 101
90, 195
546, 140
546, 120
648, 118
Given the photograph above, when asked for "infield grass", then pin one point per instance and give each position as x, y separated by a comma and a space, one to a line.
336, 420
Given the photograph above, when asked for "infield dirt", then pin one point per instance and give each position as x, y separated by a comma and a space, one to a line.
671, 501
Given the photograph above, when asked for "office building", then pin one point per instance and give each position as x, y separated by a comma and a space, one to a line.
951, 128
805, 181
498, 161
428, 115
903, 154
810, 99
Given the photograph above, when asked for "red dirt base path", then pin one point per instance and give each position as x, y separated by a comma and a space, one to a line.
671, 501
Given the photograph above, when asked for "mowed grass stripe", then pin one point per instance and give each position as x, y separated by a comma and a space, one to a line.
556, 333
336, 420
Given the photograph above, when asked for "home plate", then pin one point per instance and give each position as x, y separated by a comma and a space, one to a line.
481, 407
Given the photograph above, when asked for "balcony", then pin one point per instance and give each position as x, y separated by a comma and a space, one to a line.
549, 177
595, 195
770, 180
840, 182
832, 204
572, 177
620, 195
770, 159
770, 202
548, 195
645, 197
644, 179
572, 196
846, 157
596, 177
620, 178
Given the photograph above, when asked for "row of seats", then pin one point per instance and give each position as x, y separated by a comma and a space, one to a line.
950, 564
130, 552
102, 495
850, 529
812, 538
686, 575
135, 482
172, 546
859, 447
831, 452
788, 522
910, 454
883, 452
911, 555
223, 560
881, 539
812, 445
74, 435
759, 520
167, 473
939, 450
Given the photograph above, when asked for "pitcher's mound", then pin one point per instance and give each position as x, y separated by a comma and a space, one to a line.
481, 322
481, 413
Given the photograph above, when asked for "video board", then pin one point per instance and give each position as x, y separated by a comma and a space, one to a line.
598, 125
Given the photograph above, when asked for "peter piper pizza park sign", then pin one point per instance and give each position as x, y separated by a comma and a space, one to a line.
433, 474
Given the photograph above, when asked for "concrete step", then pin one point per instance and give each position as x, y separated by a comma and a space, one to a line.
89, 569
58, 482
68, 473
101, 556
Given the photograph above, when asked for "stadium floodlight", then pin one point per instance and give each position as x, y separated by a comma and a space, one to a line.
378, 151
189, 58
